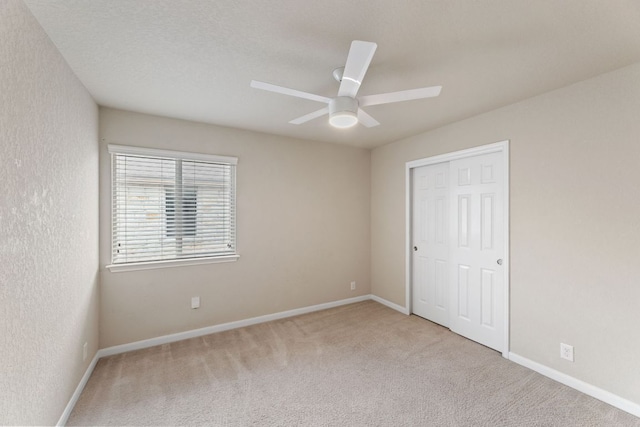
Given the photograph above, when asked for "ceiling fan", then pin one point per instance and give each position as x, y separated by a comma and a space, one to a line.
345, 109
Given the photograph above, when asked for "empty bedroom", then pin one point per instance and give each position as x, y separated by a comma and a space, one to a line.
368, 213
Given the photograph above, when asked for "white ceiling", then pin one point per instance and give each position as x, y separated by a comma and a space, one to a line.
194, 59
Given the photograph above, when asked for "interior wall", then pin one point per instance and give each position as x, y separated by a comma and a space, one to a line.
303, 212
48, 223
574, 159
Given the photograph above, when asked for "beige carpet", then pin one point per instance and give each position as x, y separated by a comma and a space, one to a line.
357, 365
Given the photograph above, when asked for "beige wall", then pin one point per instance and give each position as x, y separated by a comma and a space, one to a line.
303, 231
575, 228
48, 223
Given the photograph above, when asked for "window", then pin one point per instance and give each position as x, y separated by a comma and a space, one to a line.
171, 206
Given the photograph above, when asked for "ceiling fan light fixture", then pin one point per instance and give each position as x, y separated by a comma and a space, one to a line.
343, 112
344, 119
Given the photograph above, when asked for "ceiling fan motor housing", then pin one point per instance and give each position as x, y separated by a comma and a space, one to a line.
343, 111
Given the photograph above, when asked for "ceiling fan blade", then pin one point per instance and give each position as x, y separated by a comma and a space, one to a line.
404, 95
358, 60
366, 119
286, 91
310, 116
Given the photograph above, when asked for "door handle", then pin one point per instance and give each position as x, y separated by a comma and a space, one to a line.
415, 248
499, 262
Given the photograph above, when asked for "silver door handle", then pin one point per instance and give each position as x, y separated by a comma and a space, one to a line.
500, 262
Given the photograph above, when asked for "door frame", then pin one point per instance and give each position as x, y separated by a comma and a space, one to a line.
497, 147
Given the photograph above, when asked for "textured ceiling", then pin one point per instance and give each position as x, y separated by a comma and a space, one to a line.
195, 59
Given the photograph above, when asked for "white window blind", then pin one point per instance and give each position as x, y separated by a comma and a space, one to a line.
170, 205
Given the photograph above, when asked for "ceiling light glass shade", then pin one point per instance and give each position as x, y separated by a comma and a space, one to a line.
343, 112
343, 119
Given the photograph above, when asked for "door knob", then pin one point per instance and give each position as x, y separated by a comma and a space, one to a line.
500, 262
415, 248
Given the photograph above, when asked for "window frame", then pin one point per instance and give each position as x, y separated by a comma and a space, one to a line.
179, 155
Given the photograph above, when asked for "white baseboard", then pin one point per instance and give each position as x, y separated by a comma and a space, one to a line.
586, 388
76, 394
390, 304
165, 339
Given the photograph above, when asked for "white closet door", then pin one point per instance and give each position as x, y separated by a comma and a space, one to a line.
430, 246
477, 249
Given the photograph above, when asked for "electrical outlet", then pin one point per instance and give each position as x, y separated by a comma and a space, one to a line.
195, 302
566, 351
84, 351
353, 286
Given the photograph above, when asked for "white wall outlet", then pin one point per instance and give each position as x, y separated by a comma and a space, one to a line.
566, 351
84, 351
353, 286
195, 302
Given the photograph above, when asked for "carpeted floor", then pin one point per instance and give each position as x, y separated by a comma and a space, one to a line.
357, 365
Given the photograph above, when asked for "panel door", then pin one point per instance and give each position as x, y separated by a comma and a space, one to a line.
477, 249
430, 242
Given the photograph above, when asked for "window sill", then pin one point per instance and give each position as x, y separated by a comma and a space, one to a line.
116, 268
